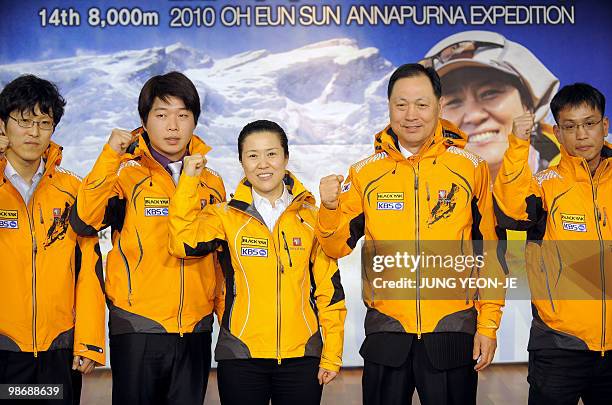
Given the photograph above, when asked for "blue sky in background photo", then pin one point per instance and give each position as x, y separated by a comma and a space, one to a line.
579, 52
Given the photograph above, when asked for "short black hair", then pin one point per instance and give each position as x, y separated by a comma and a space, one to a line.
28, 91
412, 70
263, 126
172, 84
575, 95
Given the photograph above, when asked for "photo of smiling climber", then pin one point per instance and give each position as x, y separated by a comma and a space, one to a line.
487, 81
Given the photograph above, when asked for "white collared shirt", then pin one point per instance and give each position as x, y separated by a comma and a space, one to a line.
405, 152
26, 190
271, 214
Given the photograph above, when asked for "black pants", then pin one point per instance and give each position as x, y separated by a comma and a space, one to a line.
49, 367
256, 381
160, 368
561, 377
389, 385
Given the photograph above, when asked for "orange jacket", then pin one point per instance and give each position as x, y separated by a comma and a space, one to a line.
148, 291
283, 296
441, 193
568, 209
51, 290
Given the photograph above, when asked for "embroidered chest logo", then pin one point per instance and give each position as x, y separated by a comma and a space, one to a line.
574, 222
253, 247
393, 201
58, 228
156, 207
447, 200
9, 219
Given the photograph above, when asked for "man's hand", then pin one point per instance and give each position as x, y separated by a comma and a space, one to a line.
83, 364
329, 189
120, 140
325, 376
194, 164
523, 125
4, 143
484, 350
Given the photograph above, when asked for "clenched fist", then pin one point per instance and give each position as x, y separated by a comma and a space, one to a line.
120, 140
194, 164
522, 125
329, 189
4, 143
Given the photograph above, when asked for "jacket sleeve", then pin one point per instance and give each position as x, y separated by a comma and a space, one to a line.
518, 200
484, 236
89, 334
329, 298
339, 230
100, 202
193, 231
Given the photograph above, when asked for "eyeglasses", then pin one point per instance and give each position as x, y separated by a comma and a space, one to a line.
29, 123
573, 127
459, 50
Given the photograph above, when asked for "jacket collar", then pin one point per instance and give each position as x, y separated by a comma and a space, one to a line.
141, 147
52, 157
445, 135
243, 198
578, 167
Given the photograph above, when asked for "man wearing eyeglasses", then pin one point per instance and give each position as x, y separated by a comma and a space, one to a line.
565, 210
51, 300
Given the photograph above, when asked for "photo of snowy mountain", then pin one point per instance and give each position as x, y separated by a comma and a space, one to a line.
330, 96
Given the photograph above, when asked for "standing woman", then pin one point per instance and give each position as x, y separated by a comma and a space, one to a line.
282, 324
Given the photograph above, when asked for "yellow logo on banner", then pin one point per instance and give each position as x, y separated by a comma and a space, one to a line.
573, 218
8, 214
390, 196
156, 202
255, 242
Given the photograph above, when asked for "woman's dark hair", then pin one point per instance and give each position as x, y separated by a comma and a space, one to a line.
173, 84
263, 126
28, 91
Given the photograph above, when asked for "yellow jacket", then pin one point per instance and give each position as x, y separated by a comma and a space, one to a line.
147, 290
283, 296
441, 193
570, 272
51, 289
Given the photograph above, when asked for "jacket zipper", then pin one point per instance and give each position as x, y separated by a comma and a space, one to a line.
180, 313
34, 250
418, 247
601, 262
279, 266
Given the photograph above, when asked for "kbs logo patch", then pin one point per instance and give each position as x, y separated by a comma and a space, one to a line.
156, 207
254, 247
389, 206
8, 219
390, 201
574, 222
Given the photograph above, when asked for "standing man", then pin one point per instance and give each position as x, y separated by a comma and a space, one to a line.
51, 291
565, 211
434, 346
161, 307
